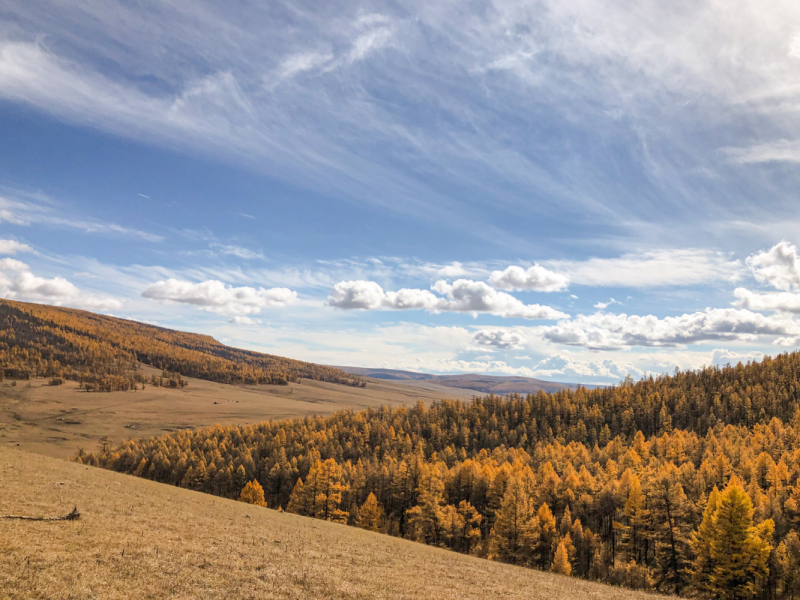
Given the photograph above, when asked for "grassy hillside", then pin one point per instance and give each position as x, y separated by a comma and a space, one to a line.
140, 539
102, 351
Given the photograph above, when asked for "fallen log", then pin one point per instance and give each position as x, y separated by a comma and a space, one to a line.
70, 517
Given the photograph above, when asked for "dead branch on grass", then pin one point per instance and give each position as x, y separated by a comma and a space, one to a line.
74, 515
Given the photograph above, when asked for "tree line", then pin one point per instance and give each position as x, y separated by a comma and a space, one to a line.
688, 483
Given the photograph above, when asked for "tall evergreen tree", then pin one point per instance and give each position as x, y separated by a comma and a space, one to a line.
739, 550
511, 524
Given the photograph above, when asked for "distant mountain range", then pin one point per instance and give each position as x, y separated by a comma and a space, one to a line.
481, 383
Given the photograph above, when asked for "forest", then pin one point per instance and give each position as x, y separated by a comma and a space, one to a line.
103, 353
686, 483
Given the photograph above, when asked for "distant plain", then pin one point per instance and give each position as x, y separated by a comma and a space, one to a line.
59, 420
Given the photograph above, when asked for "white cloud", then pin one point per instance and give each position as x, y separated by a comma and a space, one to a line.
300, 63
652, 269
36, 209
785, 342
498, 338
605, 305
12, 247
237, 251
535, 278
775, 151
785, 302
560, 368
476, 296
603, 331
566, 367
723, 356
454, 269
215, 296
242, 320
779, 266
18, 283
462, 296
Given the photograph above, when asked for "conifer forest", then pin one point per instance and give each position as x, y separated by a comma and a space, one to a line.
686, 483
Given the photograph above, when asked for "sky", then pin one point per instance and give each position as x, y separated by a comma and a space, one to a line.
572, 190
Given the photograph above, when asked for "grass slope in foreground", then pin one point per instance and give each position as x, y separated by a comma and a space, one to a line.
141, 539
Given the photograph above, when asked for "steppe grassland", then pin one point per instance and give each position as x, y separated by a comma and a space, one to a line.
140, 539
58, 420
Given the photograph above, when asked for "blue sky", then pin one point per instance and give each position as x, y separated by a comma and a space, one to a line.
573, 191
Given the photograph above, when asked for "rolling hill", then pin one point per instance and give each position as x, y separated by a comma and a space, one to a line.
103, 352
486, 384
140, 539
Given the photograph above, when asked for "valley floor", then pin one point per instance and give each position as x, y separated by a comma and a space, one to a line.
141, 539
58, 420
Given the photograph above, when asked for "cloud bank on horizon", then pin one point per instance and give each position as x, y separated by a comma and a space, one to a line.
563, 190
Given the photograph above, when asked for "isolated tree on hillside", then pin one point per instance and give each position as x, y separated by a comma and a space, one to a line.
370, 515
253, 493
298, 499
561, 564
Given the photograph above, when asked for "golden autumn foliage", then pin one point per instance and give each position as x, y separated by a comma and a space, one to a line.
102, 352
252, 493
370, 515
618, 484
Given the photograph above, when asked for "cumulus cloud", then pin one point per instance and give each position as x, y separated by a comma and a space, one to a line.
498, 338
566, 367
785, 302
554, 367
604, 331
17, 282
454, 269
723, 356
475, 296
217, 297
12, 247
462, 295
779, 266
535, 278
785, 342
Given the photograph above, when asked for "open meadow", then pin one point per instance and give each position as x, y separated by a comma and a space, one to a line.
141, 539
59, 420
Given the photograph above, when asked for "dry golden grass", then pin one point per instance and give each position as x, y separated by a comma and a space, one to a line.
58, 420
140, 539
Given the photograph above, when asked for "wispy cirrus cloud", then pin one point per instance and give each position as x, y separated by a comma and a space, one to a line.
25, 209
